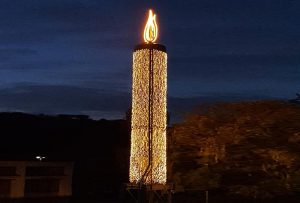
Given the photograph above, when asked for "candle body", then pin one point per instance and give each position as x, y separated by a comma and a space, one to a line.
148, 158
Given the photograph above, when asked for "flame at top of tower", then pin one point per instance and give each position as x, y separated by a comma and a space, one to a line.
151, 30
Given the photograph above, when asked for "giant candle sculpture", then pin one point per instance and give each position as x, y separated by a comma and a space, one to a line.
149, 109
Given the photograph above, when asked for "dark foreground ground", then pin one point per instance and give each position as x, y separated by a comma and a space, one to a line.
177, 198
53, 200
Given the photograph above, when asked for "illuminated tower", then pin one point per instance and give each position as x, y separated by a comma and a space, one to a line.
149, 110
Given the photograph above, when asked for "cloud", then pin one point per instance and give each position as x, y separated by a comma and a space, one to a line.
7, 54
36, 98
97, 103
213, 46
236, 67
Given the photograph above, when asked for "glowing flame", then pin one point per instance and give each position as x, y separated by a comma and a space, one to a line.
151, 31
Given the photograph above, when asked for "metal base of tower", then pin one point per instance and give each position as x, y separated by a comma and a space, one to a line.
155, 193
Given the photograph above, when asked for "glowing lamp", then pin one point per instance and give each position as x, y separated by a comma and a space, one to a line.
151, 30
148, 155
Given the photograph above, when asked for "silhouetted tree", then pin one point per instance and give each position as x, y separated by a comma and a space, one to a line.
250, 149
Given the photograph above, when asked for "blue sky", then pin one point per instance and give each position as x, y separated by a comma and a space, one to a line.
74, 56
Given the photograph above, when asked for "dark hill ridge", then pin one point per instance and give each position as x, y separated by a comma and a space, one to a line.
58, 137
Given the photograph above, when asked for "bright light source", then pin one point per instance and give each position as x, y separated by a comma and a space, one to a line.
139, 156
151, 30
40, 158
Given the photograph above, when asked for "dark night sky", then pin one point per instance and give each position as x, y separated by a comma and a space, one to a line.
74, 56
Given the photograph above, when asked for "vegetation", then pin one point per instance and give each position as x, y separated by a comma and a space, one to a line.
247, 149
98, 148
244, 151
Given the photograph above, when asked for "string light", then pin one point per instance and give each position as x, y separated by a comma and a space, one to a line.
139, 156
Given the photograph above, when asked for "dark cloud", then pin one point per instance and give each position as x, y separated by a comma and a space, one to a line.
235, 65
180, 107
97, 103
7, 54
214, 47
64, 99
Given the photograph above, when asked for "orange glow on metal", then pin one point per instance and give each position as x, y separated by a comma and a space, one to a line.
151, 30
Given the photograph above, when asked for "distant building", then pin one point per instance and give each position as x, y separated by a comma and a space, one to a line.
20, 179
